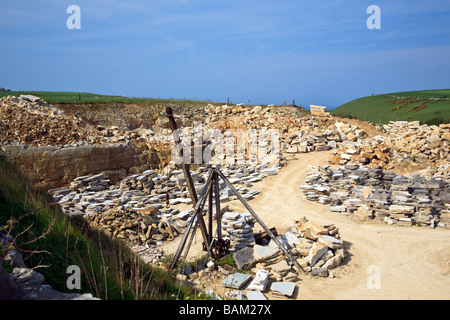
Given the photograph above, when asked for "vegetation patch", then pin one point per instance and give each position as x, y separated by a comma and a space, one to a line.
407, 106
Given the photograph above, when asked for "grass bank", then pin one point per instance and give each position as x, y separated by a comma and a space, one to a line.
427, 106
83, 97
50, 241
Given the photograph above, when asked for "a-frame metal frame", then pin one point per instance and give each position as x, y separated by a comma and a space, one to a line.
211, 187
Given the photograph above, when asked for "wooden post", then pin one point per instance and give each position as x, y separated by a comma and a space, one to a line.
197, 218
210, 210
186, 171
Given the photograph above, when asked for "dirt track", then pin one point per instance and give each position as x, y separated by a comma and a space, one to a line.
383, 262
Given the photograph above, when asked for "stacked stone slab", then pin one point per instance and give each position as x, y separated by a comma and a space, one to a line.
318, 111
384, 195
312, 245
149, 189
135, 208
238, 228
143, 182
96, 182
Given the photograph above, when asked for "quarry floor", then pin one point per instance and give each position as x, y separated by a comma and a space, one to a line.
383, 261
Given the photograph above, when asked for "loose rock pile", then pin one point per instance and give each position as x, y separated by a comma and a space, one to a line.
315, 135
226, 109
297, 134
317, 248
238, 228
30, 120
421, 143
372, 152
383, 195
406, 141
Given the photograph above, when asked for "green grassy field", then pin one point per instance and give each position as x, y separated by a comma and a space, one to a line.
427, 106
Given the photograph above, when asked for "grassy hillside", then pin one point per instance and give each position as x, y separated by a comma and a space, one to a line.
51, 241
427, 106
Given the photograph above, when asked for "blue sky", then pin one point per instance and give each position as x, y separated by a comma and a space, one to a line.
261, 52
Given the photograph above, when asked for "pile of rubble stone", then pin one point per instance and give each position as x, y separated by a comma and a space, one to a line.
422, 143
30, 120
373, 152
383, 195
225, 109
405, 141
318, 249
297, 134
312, 136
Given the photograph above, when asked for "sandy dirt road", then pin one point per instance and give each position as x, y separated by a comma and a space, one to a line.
384, 261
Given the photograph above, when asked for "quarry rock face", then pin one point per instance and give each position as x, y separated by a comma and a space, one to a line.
50, 167
51, 148
47, 143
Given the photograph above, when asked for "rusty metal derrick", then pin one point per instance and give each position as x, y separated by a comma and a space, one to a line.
216, 247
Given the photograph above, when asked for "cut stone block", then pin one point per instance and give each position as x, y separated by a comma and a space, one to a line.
321, 272
281, 239
264, 252
184, 215
231, 215
286, 289
292, 239
333, 262
244, 258
331, 242
236, 280
255, 295
282, 267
